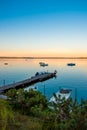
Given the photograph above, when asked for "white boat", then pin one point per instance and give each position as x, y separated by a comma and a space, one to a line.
63, 93
35, 88
43, 64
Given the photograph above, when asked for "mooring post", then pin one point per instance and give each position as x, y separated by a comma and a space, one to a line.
4, 82
44, 89
75, 94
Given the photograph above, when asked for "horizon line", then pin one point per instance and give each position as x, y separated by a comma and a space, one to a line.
42, 57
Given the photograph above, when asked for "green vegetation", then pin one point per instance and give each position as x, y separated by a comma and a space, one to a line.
30, 110
29, 103
6, 114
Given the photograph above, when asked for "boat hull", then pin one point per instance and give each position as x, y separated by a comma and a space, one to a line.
60, 96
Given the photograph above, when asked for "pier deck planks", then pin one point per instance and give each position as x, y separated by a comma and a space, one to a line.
30, 81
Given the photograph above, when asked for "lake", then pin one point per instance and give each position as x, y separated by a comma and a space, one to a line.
73, 77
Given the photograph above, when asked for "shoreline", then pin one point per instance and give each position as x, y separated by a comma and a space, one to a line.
43, 57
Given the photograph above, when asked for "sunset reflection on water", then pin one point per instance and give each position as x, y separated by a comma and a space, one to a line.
67, 76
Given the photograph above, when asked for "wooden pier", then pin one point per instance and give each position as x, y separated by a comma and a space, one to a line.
21, 84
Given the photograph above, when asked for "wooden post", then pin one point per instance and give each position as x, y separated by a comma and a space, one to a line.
4, 82
75, 94
44, 89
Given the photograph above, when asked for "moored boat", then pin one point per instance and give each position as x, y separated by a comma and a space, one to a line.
5, 63
35, 88
62, 93
43, 64
71, 64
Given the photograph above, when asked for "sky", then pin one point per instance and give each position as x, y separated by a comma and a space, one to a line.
43, 28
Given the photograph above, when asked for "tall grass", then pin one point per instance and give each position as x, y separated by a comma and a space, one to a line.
6, 114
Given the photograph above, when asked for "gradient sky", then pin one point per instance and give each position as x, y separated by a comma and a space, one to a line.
43, 27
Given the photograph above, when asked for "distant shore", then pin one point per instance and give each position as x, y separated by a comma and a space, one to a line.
4, 57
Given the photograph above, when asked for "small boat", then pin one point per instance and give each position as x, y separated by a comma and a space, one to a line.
5, 63
71, 64
43, 64
62, 93
31, 87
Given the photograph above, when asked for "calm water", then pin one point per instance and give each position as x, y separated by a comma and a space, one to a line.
74, 77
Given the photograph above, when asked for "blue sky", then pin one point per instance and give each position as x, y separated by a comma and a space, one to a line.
43, 28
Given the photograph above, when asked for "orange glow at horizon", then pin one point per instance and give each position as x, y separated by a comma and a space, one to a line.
42, 54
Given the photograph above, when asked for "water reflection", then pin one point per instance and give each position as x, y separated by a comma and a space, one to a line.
68, 77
